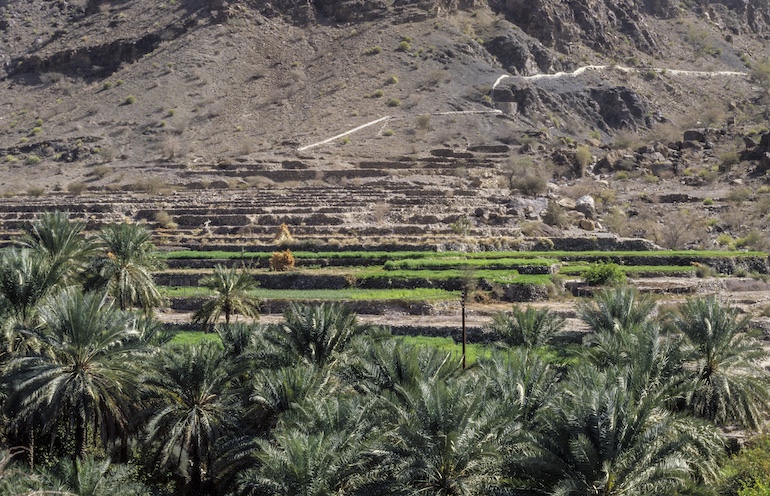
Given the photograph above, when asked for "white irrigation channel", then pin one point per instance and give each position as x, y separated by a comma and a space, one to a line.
575, 73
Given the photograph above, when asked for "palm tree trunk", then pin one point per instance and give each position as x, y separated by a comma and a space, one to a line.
124, 448
196, 475
80, 438
31, 453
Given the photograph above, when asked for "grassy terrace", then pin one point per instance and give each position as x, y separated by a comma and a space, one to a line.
536, 262
468, 263
377, 276
384, 256
415, 276
637, 270
417, 294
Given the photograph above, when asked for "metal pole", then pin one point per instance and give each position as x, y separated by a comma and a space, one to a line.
464, 335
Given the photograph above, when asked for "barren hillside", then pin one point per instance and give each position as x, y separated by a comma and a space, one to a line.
202, 109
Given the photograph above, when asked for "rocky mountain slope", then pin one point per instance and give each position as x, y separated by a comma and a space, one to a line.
165, 106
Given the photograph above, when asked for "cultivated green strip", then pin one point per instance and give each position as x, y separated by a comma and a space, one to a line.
635, 270
352, 294
459, 263
402, 255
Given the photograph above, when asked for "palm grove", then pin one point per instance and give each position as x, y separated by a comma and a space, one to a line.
96, 401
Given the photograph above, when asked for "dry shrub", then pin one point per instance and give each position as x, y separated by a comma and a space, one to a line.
282, 260
626, 140
583, 187
555, 215
583, 157
260, 182
380, 211
100, 171
165, 220
527, 177
705, 116
643, 224
146, 186
740, 195
283, 235
76, 188
760, 72
532, 229
665, 133
762, 206
107, 154
680, 229
171, 147
435, 77
531, 184
713, 115
616, 221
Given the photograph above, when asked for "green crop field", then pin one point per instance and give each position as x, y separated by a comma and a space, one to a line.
635, 270
402, 255
351, 294
465, 263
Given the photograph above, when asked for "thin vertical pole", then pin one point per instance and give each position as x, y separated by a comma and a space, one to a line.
464, 334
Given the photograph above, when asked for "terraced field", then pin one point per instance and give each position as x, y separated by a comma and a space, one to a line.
420, 292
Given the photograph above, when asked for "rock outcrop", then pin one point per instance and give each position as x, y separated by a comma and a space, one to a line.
606, 108
597, 23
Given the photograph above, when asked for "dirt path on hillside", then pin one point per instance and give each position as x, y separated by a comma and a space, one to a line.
577, 72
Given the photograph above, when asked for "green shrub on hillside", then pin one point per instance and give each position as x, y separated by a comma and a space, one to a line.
604, 274
760, 73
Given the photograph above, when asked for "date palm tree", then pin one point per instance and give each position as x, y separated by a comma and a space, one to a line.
319, 450
443, 442
650, 363
59, 239
124, 266
317, 334
300, 464
231, 287
273, 393
530, 327
599, 439
727, 382
522, 380
190, 409
93, 477
26, 278
379, 365
86, 477
618, 307
84, 376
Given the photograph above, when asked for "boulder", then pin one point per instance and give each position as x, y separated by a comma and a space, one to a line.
586, 225
703, 135
527, 208
614, 161
586, 205
567, 203
764, 164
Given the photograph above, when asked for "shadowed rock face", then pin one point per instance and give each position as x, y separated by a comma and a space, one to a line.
598, 23
751, 15
606, 108
523, 55
556, 24
594, 22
